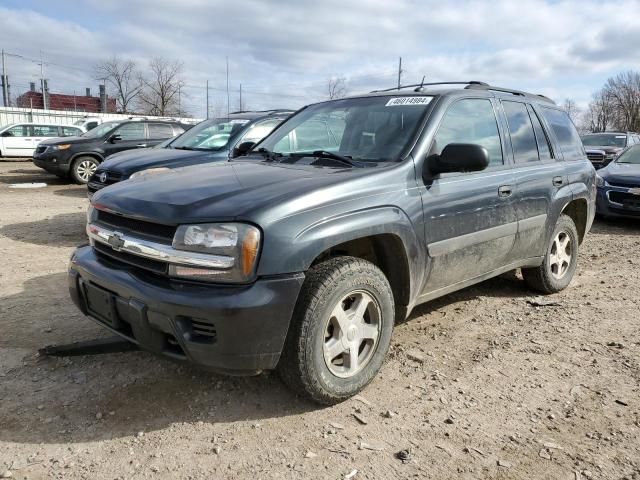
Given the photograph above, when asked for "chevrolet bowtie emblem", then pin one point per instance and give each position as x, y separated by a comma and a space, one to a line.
116, 241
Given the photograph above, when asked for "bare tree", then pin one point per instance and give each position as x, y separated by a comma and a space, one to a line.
161, 87
122, 78
336, 87
623, 94
572, 110
601, 114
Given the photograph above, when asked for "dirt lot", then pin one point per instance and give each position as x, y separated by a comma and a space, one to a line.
480, 384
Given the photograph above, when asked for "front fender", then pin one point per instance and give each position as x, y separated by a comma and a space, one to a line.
295, 252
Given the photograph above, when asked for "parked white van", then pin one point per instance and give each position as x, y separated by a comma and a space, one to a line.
21, 139
88, 123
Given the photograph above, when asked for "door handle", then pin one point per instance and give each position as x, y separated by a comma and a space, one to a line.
558, 181
505, 191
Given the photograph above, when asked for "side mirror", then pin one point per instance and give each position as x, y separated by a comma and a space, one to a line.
115, 138
459, 157
242, 149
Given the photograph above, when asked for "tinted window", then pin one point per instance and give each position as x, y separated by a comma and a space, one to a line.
258, 131
131, 131
566, 134
470, 121
69, 131
91, 125
17, 131
544, 147
45, 131
605, 140
523, 140
160, 130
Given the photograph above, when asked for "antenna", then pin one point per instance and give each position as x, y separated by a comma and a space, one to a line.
421, 87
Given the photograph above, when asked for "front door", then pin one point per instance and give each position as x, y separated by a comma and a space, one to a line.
470, 219
130, 135
18, 142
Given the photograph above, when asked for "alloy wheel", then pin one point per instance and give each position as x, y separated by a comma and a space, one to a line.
351, 334
560, 255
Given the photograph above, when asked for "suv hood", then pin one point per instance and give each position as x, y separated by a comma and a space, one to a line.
221, 191
65, 140
623, 174
131, 161
606, 149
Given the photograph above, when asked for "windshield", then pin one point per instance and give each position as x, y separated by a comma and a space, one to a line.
375, 129
213, 134
631, 155
100, 130
605, 140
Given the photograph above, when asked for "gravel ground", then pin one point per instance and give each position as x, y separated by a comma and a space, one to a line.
489, 382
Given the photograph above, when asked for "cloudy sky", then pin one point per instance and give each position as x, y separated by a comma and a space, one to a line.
284, 52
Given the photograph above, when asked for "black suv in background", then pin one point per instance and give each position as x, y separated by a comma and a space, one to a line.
210, 141
603, 147
301, 255
78, 157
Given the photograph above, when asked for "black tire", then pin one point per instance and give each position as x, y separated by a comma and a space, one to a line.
545, 278
302, 365
80, 169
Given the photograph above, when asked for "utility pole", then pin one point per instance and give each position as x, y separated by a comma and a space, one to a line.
399, 72
179, 109
42, 85
207, 100
228, 110
5, 92
241, 98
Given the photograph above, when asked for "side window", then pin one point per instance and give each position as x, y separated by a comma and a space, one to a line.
131, 131
159, 131
91, 125
70, 131
17, 131
565, 132
471, 120
544, 147
258, 131
523, 140
45, 131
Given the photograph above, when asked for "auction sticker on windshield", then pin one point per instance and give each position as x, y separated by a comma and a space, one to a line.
399, 101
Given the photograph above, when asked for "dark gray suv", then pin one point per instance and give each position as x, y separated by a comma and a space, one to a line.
301, 255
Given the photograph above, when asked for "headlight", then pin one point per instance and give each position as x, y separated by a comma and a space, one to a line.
236, 243
60, 147
149, 171
601, 182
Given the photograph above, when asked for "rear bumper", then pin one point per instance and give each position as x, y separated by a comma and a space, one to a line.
229, 329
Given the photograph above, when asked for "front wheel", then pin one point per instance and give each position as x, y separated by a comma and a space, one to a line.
340, 331
560, 261
83, 168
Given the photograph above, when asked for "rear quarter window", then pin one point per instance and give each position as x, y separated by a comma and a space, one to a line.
565, 132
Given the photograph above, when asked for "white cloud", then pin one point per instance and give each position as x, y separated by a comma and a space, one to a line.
284, 52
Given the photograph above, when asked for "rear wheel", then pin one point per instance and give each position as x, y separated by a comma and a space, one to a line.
83, 168
560, 261
340, 331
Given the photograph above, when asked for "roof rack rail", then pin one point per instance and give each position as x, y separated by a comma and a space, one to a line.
484, 86
418, 86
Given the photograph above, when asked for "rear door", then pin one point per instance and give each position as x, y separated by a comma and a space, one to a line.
44, 132
18, 141
158, 132
539, 172
470, 219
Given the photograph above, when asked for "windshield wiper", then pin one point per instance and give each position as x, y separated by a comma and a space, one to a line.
183, 148
330, 156
269, 155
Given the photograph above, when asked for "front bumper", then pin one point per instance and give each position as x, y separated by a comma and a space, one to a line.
230, 329
606, 204
52, 161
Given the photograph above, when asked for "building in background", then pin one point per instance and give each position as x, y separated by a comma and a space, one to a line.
59, 101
